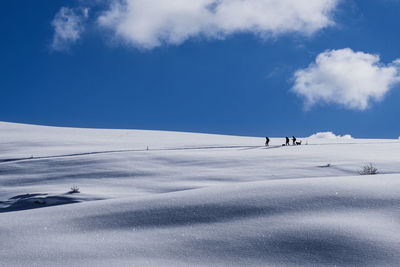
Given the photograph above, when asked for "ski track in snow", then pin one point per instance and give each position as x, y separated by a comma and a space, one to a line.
173, 149
194, 200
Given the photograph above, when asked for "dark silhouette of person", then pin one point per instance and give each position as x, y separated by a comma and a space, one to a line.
294, 140
266, 141
287, 141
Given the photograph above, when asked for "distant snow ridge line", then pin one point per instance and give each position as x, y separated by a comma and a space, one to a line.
330, 135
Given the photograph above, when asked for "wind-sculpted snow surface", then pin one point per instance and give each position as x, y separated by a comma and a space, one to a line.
194, 200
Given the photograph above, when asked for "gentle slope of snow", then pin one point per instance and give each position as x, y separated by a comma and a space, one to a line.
194, 199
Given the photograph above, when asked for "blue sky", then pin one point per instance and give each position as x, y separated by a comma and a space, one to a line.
194, 71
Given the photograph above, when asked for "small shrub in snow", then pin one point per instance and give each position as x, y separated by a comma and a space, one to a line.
368, 170
74, 189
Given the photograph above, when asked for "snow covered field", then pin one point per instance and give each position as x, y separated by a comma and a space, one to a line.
182, 199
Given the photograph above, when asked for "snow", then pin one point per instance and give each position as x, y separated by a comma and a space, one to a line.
194, 199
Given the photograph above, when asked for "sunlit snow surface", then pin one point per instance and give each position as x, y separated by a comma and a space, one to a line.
153, 198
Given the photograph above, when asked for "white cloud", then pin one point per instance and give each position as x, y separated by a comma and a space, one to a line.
68, 27
330, 135
151, 23
350, 79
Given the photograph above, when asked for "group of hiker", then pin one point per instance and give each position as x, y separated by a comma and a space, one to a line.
287, 143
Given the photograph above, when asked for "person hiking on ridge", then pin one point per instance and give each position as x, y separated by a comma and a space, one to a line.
294, 140
287, 141
266, 141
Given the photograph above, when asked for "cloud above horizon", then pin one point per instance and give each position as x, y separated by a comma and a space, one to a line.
330, 135
147, 24
68, 27
347, 78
